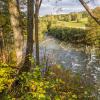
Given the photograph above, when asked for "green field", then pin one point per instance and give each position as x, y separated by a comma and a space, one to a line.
72, 24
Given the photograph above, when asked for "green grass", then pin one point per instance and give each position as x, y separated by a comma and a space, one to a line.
68, 24
72, 24
84, 20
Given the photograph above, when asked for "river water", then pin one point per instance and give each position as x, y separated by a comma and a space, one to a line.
81, 59
68, 55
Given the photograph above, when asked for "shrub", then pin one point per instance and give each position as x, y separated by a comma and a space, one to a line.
72, 35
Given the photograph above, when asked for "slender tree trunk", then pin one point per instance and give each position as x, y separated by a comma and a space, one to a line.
29, 47
16, 27
1, 46
36, 31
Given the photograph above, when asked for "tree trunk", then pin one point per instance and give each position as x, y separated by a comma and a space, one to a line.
36, 31
1, 46
16, 27
29, 47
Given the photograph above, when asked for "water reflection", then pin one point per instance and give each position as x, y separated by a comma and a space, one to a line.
81, 59
65, 55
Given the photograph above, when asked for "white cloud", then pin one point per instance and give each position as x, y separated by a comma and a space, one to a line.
67, 6
46, 5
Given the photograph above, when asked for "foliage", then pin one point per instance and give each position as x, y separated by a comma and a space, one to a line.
51, 85
72, 35
62, 21
66, 17
6, 76
93, 36
55, 83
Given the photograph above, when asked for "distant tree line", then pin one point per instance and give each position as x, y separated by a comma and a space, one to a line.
66, 17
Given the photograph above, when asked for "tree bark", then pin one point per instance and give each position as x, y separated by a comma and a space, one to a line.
36, 31
17, 29
37, 7
29, 47
1, 46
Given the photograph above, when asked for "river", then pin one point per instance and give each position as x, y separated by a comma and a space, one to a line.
67, 55
81, 59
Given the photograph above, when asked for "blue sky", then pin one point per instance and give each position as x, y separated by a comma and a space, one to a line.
64, 6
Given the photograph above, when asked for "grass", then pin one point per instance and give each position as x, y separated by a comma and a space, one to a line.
72, 24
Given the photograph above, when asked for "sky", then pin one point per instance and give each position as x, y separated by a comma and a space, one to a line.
64, 6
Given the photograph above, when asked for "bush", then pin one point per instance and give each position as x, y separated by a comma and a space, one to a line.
72, 35
56, 84
6, 76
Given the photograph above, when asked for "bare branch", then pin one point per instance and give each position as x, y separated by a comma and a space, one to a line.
40, 4
89, 11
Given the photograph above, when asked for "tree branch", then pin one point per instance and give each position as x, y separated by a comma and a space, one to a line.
89, 11
40, 4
